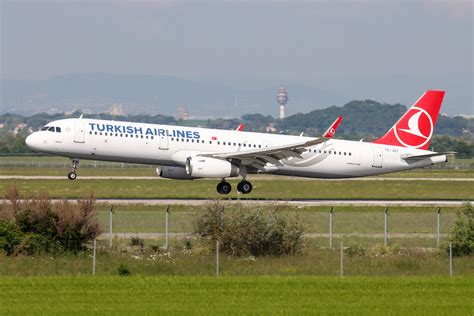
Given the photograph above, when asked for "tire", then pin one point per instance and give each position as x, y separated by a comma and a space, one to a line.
244, 187
219, 188
224, 187
72, 175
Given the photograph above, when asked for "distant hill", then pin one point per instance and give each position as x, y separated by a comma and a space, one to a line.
367, 119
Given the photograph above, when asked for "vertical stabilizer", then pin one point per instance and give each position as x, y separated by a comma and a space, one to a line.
415, 128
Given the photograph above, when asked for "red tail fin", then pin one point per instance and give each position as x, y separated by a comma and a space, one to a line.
416, 126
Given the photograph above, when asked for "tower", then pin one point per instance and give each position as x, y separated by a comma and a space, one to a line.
282, 98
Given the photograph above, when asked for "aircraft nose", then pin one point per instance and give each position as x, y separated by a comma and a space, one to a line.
32, 141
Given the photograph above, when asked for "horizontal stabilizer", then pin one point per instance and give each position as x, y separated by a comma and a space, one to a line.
421, 157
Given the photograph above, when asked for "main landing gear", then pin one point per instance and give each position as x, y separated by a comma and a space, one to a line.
73, 175
243, 187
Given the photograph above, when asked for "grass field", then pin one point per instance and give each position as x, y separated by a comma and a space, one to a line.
237, 295
199, 259
269, 189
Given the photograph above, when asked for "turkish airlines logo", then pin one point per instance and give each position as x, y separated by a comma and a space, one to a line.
415, 128
331, 131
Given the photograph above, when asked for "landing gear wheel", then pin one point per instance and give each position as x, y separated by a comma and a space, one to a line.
72, 175
244, 187
224, 187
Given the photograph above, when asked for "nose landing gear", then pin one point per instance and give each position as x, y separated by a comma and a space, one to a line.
73, 175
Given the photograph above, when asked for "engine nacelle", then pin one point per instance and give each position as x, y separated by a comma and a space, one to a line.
178, 173
205, 167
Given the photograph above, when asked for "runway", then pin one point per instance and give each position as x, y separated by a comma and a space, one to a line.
301, 202
259, 178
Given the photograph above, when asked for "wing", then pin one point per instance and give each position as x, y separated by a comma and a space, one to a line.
274, 154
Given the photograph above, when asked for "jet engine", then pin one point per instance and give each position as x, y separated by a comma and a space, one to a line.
205, 167
178, 173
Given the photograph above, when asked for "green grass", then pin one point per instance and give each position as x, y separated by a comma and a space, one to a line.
268, 189
200, 260
237, 295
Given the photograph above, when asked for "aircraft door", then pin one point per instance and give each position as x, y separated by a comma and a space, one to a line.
164, 142
378, 157
79, 131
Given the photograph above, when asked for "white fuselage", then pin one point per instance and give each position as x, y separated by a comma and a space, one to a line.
166, 145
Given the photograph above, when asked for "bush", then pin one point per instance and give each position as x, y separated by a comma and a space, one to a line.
251, 232
136, 241
155, 248
36, 244
355, 250
123, 270
10, 237
45, 226
462, 232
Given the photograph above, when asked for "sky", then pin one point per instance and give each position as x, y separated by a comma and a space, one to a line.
386, 50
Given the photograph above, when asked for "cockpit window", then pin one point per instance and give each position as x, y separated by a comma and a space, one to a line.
51, 129
45, 128
58, 129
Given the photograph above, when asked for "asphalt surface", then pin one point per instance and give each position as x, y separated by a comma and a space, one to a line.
308, 202
21, 177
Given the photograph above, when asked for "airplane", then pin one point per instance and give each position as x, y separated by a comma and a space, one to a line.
189, 153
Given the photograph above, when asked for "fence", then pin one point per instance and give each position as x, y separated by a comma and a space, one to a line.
407, 229
439, 224
338, 243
